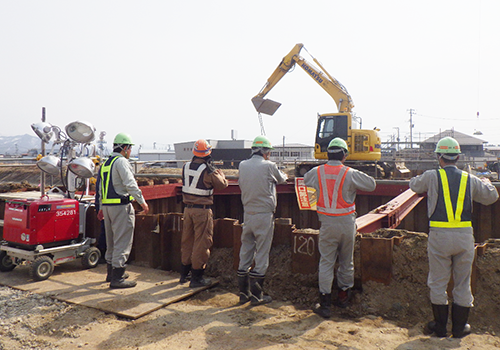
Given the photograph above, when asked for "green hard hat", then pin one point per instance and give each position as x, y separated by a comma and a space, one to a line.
447, 145
262, 142
337, 142
123, 139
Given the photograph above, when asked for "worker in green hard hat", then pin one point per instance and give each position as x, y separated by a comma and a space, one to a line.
117, 189
336, 186
450, 193
258, 177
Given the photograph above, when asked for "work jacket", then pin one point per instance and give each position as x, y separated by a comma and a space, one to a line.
109, 196
192, 180
330, 200
454, 204
199, 180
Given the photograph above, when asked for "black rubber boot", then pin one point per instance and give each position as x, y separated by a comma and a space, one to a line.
324, 307
109, 276
118, 281
185, 270
257, 292
197, 279
438, 326
459, 316
244, 285
343, 298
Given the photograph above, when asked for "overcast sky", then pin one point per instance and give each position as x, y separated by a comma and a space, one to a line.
175, 71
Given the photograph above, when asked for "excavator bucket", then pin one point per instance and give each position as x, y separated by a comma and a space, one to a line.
265, 106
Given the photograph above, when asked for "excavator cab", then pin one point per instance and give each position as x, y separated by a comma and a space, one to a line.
329, 127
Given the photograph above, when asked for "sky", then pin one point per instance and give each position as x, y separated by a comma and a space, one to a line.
175, 71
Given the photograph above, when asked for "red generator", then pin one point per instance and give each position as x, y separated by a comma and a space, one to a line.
44, 233
48, 222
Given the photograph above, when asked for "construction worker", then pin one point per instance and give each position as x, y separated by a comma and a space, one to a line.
450, 193
117, 190
258, 177
336, 186
199, 179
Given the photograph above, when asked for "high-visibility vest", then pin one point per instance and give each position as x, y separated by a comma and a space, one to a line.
109, 195
192, 180
453, 208
330, 201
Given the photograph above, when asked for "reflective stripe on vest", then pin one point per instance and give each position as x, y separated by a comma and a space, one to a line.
109, 195
193, 181
454, 219
330, 201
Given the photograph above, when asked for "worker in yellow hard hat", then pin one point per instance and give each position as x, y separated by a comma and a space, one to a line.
199, 179
450, 193
336, 186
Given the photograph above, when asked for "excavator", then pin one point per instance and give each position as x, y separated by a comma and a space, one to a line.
364, 145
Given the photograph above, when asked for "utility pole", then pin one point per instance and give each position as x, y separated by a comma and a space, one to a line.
412, 111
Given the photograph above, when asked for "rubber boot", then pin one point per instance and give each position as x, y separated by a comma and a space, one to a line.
244, 285
323, 308
343, 298
257, 292
185, 270
197, 279
109, 276
438, 326
118, 281
459, 316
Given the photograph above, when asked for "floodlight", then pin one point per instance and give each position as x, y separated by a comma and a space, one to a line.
80, 131
43, 131
50, 164
83, 167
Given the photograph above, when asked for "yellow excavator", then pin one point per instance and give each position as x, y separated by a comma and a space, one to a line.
364, 145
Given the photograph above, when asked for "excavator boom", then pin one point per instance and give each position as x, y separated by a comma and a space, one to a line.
331, 85
364, 145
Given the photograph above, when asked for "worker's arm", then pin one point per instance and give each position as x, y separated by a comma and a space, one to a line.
124, 170
279, 176
482, 191
362, 181
217, 180
422, 183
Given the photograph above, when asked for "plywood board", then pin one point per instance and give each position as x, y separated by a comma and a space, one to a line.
71, 283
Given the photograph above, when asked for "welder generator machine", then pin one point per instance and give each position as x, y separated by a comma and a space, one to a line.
45, 232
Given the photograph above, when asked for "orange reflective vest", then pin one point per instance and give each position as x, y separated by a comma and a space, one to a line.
331, 181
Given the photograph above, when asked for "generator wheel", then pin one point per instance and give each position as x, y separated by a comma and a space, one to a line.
42, 268
6, 263
91, 257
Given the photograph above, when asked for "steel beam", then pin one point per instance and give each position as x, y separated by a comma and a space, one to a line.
390, 214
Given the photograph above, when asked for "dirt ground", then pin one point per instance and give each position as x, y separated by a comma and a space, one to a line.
380, 317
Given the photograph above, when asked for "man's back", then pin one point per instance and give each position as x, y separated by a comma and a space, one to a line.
257, 180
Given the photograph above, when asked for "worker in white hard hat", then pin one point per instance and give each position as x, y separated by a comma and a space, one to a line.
258, 177
199, 180
336, 186
450, 193
117, 189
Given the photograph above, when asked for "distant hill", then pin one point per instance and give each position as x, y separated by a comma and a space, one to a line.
18, 145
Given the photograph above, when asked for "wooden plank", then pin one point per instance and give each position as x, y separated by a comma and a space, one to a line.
73, 284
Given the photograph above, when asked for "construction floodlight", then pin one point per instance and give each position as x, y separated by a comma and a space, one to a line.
43, 131
83, 167
50, 165
81, 131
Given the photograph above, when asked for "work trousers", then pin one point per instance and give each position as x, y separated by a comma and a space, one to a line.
119, 223
450, 253
336, 240
197, 237
256, 240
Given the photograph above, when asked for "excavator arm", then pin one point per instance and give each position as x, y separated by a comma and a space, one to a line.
331, 85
